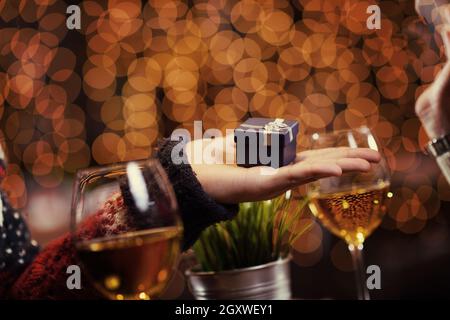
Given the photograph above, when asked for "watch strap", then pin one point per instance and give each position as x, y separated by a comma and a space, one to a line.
439, 146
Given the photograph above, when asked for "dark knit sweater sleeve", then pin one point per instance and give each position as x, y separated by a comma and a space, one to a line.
198, 210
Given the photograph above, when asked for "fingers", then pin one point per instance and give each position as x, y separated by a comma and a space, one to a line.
307, 171
340, 152
329, 167
263, 186
442, 80
301, 156
299, 172
445, 35
417, 5
440, 85
422, 103
353, 164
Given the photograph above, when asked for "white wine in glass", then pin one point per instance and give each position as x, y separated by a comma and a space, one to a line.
134, 265
354, 214
351, 206
126, 229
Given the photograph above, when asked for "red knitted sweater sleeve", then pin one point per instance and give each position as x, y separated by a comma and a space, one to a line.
46, 276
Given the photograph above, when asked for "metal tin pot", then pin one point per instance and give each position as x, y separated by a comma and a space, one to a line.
270, 281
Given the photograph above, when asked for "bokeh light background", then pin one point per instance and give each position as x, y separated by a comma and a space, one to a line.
137, 70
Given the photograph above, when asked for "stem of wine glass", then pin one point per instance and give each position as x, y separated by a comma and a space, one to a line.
360, 275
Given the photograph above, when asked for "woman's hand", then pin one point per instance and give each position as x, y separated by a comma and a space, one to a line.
228, 183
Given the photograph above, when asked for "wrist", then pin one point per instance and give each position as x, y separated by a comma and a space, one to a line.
436, 125
435, 129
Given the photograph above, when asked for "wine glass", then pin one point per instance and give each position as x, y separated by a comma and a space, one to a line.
351, 206
126, 228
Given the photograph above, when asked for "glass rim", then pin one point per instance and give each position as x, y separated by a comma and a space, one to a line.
361, 129
101, 168
85, 175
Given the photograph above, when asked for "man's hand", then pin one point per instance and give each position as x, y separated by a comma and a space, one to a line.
433, 105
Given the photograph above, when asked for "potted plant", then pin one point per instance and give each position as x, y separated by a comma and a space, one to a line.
248, 257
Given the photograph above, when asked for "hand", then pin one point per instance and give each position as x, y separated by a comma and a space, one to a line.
232, 184
435, 12
433, 105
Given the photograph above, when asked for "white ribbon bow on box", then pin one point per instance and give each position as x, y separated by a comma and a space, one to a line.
272, 127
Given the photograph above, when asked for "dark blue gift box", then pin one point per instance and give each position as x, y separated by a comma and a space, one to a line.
268, 142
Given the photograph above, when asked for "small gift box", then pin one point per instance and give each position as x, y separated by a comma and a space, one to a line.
269, 142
